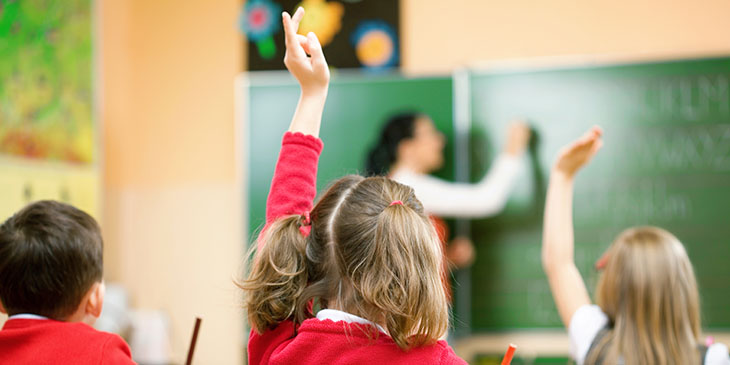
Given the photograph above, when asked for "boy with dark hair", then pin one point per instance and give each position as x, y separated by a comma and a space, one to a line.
51, 287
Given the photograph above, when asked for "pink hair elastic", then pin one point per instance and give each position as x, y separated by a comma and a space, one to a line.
396, 202
306, 228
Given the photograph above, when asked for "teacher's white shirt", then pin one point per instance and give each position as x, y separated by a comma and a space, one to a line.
448, 199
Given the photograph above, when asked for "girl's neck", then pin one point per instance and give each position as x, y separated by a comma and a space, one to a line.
335, 305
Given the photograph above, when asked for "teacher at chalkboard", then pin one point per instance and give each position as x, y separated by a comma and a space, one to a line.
410, 147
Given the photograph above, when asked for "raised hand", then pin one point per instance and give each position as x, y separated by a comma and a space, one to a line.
566, 284
311, 72
518, 136
574, 156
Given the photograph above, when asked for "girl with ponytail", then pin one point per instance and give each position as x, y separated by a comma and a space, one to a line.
366, 254
647, 308
410, 147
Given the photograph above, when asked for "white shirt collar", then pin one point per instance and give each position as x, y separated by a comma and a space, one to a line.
337, 315
26, 316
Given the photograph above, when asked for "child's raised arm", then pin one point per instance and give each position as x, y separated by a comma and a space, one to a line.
294, 185
566, 284
279, 270
311, 72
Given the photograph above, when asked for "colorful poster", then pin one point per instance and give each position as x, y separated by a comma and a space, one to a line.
45, 80
48, 136
354, 33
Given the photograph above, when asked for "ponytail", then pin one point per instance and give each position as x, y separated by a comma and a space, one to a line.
385, 152
371, 248
290, 270
391, 256
278, 276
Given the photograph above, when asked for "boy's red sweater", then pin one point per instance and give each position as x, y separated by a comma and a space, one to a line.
293, 189
45, 341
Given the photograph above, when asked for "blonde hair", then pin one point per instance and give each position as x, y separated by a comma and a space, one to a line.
649, 292
377, 260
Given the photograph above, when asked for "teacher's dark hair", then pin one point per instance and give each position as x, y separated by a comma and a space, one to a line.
385, 153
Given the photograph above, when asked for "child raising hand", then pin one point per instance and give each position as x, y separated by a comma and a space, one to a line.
647, 300
365, 254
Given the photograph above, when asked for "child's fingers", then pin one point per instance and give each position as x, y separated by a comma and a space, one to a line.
589, 136
597, 146
304, 42
315, 50
582, 141
289, 34
293, 48
298, 15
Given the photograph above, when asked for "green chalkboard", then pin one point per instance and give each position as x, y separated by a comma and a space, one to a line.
357, 107
665, 162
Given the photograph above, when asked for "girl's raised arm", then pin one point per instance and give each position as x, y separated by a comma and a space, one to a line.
311, 72
279, 270
566, 284
293, 187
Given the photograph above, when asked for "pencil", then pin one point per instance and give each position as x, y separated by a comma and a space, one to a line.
191, 350
508, 356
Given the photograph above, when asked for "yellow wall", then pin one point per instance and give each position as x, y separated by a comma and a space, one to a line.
172, 217
439, 35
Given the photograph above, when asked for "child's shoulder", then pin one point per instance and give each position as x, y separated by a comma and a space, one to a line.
67, 330
447, 356
45, 338
717, 353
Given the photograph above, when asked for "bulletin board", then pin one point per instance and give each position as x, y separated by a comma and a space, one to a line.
48, 137
353, 33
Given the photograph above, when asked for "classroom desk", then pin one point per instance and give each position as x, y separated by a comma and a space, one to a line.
530, 344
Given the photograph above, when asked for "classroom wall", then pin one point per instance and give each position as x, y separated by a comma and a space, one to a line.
172, 212
438, 36
172, 207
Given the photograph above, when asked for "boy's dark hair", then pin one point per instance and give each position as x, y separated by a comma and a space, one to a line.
50, 255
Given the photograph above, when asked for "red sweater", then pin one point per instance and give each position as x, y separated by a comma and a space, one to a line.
45, 341
323, 342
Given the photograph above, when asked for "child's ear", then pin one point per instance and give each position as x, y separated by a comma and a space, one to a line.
602, 262
96, 300
2, 308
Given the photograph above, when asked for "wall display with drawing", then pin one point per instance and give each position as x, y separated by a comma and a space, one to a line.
47, 132
354, 33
